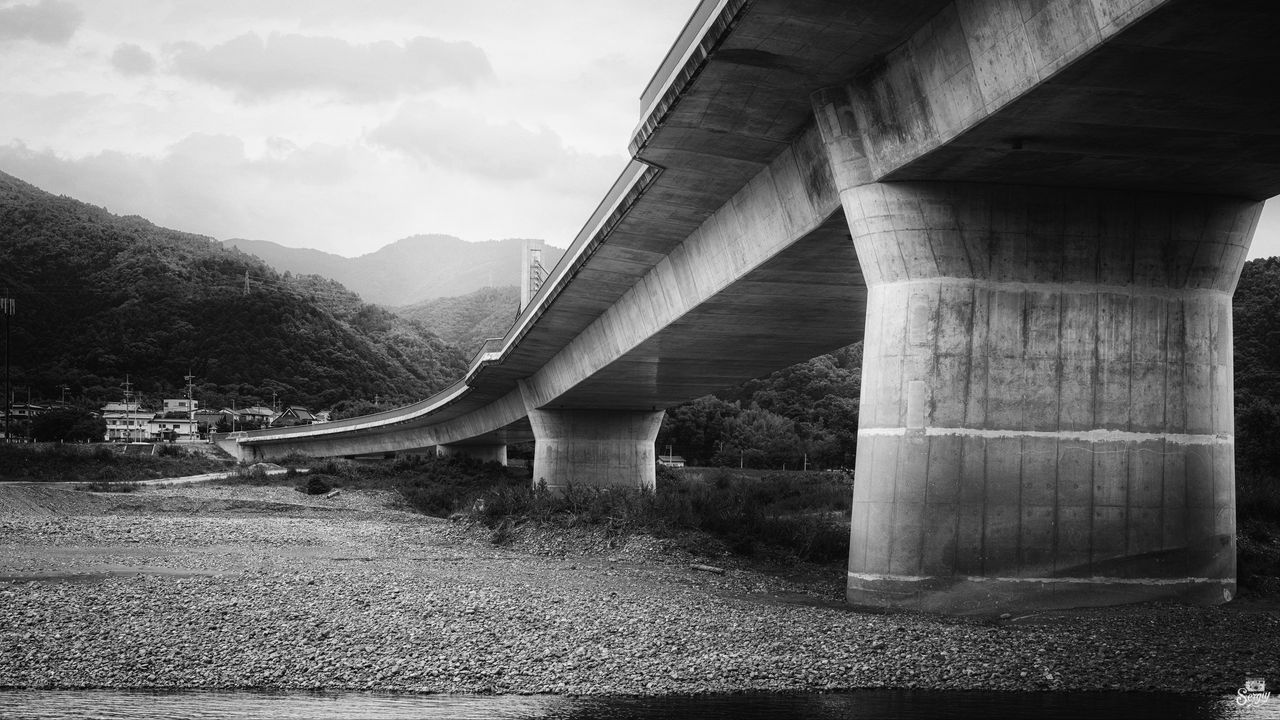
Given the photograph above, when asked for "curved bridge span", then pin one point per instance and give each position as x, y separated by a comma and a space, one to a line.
1033, 213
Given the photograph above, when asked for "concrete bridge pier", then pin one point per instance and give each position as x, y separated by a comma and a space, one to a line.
484, 453
1047, 410
595, 448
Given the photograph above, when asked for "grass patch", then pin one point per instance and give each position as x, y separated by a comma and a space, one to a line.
794, 514
801, 515
51, 462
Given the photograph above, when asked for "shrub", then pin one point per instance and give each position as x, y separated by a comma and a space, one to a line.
315, 485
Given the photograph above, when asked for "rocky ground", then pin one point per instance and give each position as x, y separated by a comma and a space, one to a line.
263, 587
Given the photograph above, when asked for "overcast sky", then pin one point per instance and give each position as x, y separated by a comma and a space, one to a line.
341, 125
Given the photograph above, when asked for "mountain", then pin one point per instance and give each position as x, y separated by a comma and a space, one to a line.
101, 298
408, 271
468, 320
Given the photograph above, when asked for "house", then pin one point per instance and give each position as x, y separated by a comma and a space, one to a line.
673, 461
180, 405
126, 421
293, 415
256, 416
23, 411
19, 419
176, 422
172, 427
209, 419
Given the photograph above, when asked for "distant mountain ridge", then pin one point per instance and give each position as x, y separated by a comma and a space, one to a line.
408, 271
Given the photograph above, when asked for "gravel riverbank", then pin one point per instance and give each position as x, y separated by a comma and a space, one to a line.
262, 587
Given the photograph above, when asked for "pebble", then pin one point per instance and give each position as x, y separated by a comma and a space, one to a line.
359, 596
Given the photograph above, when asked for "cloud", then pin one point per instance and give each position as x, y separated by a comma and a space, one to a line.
204, 183
256, 68
460, 140
51, 21
129, 59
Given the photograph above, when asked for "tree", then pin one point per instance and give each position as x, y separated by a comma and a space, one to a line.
764, 439
697, 429
68, 425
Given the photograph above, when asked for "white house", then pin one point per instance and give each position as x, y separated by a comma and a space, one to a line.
178, 429
126, 422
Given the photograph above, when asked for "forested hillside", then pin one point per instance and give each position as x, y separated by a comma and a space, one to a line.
100, 297
467, 321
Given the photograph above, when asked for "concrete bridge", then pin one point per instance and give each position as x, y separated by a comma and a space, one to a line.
1034, 211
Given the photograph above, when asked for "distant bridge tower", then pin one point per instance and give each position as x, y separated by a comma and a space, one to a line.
532, 273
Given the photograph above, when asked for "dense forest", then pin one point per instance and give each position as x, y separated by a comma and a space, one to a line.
468, 320
101, 298
1256, 321
802, 415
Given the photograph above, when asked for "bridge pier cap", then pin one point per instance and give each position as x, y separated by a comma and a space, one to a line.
1047, 410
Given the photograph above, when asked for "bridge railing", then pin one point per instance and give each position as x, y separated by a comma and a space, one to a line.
709, 24
678, 54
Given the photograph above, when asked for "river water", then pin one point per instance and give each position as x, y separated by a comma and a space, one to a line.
112, 705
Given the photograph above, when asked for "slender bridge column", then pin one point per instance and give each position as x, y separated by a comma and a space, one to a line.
1046, 416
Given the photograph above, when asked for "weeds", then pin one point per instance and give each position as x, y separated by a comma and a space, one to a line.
98, 462
106, 486
804, 515
249, 475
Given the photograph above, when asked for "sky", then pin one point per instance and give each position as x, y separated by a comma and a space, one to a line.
339, 125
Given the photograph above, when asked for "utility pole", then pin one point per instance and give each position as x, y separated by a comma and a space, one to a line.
191, 406
6, 307
128, 409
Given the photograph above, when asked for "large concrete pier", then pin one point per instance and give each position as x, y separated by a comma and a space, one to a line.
1047, 402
